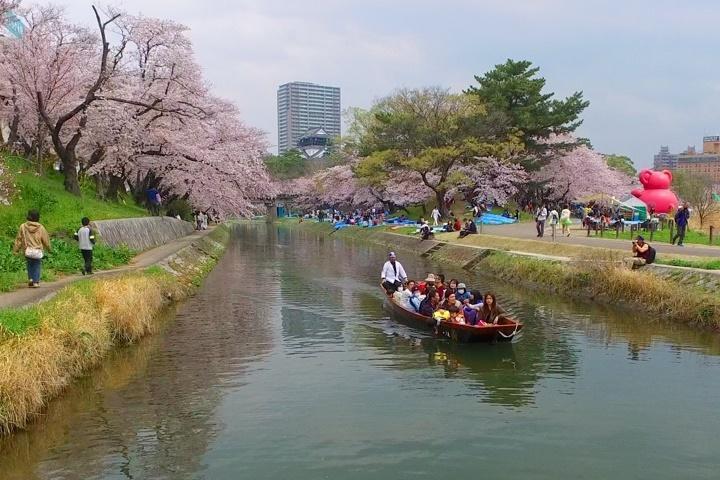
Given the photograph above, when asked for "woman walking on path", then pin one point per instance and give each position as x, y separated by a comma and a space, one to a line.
32, 239
565, 220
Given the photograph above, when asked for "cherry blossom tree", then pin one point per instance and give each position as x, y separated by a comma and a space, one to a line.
490, 179
341, 187
579, 173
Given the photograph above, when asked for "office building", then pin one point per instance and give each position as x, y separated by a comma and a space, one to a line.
705, 163
305, 110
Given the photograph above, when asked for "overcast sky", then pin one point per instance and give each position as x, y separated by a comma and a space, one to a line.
649, 68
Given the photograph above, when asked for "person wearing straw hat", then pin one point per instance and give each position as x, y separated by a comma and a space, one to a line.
393, 274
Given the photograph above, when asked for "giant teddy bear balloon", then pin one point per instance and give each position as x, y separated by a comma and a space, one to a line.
656, 193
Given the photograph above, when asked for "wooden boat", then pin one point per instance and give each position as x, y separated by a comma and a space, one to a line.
504, 331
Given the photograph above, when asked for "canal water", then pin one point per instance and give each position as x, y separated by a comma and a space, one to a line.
286, 366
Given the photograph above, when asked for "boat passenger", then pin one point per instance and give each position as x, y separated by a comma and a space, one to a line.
452, 287
416, 299
406, 293
426, 284
462, 292
451, 304
440, 285
471, 312
430, 304
491, 312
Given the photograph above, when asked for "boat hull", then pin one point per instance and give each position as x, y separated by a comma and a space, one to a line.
504, 331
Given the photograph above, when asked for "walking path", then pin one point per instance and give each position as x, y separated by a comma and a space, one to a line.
526, 231
29, 296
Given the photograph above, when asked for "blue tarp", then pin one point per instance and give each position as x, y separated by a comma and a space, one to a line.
493, 219
397, 221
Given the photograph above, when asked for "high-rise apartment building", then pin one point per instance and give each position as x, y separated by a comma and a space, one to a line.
304, 106
665, 160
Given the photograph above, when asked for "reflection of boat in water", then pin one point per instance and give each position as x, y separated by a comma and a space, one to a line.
504, 331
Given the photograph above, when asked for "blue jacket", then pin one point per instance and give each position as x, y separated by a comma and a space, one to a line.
681, 217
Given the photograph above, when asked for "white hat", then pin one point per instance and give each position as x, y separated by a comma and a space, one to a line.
430, 278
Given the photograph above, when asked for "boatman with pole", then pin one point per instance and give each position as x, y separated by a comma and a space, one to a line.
393, 274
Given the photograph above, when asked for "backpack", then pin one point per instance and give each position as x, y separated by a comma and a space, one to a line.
651, 256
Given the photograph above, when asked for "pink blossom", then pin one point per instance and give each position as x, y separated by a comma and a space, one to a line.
580, 173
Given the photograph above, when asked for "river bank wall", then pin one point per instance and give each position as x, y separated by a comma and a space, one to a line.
141, 233
70, 334
673, 293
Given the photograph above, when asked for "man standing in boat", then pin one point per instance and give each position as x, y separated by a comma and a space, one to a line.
393, 274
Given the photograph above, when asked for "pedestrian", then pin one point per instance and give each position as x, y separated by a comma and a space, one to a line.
681, 222
435, 216
540, 217
565, 221
153, 199
33, 240
554, 218
86, 240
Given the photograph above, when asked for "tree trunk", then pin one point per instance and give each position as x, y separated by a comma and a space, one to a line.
115, 185
68, 161
440, 199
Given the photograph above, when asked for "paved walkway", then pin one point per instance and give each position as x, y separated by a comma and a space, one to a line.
28, 296
527, 231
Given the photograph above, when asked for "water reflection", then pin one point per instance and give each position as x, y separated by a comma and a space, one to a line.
149, 411
287, 348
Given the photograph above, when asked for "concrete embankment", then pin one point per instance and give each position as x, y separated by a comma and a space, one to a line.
685, 295
71, 333
142, 233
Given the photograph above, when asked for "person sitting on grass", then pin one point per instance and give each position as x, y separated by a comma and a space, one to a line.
643, 253
425, 231
470, 229
448, 227
457, 225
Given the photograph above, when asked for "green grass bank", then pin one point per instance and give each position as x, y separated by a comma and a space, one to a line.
599, 276
60, 213
46, 346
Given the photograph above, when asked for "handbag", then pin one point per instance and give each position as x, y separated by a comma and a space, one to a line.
33, 253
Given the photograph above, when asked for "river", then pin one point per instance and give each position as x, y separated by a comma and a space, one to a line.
285, 365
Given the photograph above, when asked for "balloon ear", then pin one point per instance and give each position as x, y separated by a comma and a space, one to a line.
645, 176
669, 174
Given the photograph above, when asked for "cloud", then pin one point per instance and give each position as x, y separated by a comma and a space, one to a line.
646, 65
